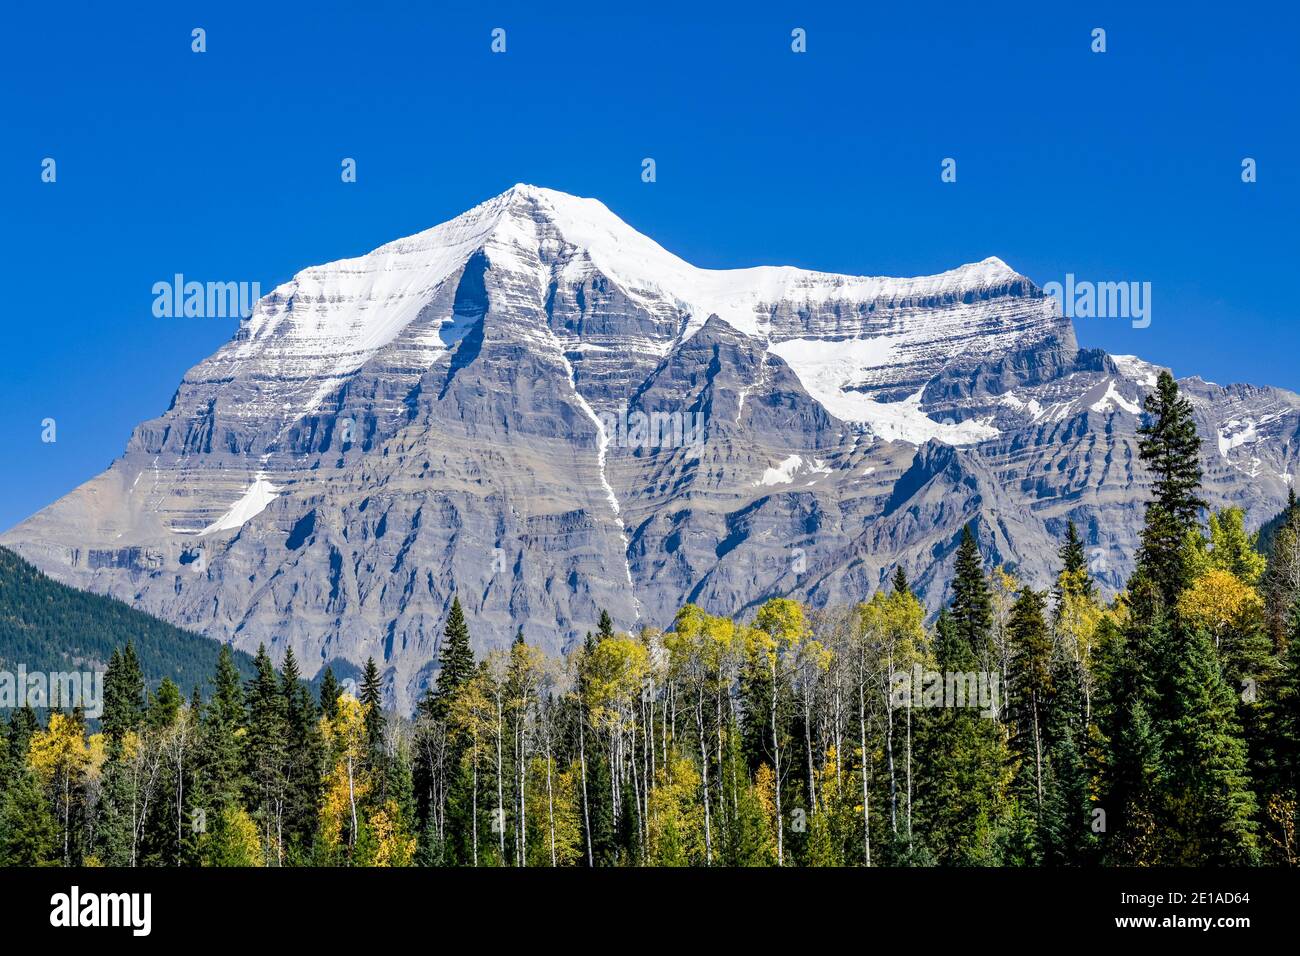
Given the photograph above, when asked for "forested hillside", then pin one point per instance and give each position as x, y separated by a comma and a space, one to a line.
47, 626
1018, 729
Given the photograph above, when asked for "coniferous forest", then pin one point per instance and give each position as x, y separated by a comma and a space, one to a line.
1161, 726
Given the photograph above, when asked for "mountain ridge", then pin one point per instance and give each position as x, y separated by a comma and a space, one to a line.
434, 418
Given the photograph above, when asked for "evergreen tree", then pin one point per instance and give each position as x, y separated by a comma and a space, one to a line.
972, 605
1211, 804
123, 696
900, 583
605, 626
28, 831
164, 705
1131, 740
1065, 833
1170, 449
305, 758
222, 756
962, 798
1030, 693
329, 695
455, 661
265, 754
1074, 565
372, 699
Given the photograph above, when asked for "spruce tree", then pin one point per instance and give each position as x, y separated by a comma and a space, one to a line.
1031, 690
605, 626
963, 762
900, 584
455, 661
265, 751
1170, 449
222, 756
1065, 831
372, 699
123, 697
1127, 717
329, 695
972, 605
1074, 565
28, 831
305, 757
1210, 801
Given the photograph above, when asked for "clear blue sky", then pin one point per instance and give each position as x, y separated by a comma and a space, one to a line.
225, 165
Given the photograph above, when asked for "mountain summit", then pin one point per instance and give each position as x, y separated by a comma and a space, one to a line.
537, 408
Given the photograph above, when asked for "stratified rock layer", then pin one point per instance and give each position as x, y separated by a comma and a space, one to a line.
540, 410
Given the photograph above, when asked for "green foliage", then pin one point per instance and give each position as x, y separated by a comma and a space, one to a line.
47, 626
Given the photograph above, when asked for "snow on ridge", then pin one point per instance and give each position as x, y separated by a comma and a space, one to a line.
826, 368
355, 306
1113, 398
1137, 370
330, 319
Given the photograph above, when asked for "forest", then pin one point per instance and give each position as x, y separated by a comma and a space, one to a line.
1016, 727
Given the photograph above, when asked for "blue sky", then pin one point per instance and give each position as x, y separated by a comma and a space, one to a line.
225, 165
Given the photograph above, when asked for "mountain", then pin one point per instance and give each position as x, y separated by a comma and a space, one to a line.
49, 627
460, 412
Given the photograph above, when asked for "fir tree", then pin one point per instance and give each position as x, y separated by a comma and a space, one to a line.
1170, 449
1203, 772
265, 754
28, 831
222, 758
372, 698
329, 695
972, 606
900, 583
455, 661
123, 696
1031, 689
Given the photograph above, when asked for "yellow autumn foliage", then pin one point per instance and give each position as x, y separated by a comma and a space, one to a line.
1217, 601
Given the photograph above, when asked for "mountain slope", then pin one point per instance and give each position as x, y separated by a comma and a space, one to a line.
50, 627
538, 409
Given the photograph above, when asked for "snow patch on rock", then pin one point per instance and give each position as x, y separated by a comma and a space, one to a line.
252, 503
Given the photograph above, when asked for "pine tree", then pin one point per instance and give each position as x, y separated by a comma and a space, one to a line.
28, 830
266, 755
372, 698
900, 583
1211, 804
1074, 565
1170, 449
972, 606
1029, 695
329, 695
455, 661
222, 758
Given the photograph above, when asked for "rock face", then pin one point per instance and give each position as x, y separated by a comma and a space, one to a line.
542, 411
